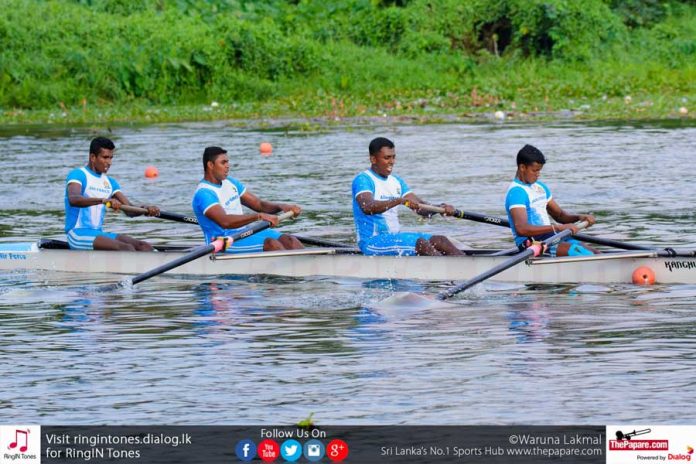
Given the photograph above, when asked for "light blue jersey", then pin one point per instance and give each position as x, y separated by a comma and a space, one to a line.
381, 188
534, 198
228, 195
93, 185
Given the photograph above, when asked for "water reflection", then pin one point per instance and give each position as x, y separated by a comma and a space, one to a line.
529, 321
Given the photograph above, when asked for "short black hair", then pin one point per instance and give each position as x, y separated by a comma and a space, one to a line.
99, 143
211, 154
377, 144
529, 155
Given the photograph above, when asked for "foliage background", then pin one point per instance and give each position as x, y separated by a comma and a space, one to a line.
351, 57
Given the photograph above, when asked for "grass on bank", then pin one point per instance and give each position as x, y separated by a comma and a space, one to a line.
71, 62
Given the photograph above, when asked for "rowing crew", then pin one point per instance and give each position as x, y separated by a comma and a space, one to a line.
376, 192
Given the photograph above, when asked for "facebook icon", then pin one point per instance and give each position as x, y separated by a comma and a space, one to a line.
245, 449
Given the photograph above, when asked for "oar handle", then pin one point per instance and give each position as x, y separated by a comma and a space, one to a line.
162, 214
130, 209
431, 208
181, 217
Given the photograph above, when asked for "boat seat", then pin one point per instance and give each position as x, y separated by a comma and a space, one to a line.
51, 244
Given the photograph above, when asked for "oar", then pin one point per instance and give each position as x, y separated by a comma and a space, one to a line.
535, 250
192, 220
498, 221
421, 301
200, 251
162, 214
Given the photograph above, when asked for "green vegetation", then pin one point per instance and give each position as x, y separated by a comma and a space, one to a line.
161, 60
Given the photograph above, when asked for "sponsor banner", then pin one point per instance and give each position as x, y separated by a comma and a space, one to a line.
628, 444
349, 444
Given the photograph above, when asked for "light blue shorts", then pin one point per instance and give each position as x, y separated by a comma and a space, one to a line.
253, 243
401, 244
576, 248
83, 239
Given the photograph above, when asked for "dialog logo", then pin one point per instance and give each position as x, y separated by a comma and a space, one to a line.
269, 450
337, 450
245, 449
314, 450
291, 450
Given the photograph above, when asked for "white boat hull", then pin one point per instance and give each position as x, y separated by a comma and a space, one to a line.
606, 268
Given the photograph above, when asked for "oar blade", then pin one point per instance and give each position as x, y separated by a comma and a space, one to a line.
411, 301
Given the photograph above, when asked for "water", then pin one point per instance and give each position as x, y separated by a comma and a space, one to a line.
184, 350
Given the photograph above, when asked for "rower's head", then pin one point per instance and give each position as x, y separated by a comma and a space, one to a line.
101, 154
382, 156
530, 162
216, 164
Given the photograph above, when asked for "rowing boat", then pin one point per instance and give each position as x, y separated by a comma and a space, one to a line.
606, 268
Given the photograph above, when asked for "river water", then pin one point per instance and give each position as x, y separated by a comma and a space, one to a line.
265, 350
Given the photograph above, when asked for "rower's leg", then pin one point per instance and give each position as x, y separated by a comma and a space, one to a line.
425, 248
290, 242
138, 245
105, 243
574, 248
445, 246
271, 244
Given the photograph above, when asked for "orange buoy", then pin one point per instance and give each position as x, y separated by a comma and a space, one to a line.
643, 276
266, 149
151, 171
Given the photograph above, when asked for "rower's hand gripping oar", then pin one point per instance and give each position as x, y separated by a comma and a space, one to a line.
192, 220
215, 246
162, 214
498, 221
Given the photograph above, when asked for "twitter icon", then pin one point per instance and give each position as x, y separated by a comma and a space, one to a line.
291, 450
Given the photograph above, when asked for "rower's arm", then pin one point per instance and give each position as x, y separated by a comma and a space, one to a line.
257, 204
556, 212
369, 205
75, 197
234, 221
123, 200
524, 228
414, 202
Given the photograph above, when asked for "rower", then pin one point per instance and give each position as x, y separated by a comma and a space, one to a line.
529, 203
88, 190
376, 194
218, 202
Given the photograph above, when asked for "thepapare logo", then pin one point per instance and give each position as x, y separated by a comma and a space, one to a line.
625, 442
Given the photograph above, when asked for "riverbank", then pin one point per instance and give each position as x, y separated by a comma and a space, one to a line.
420, 111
